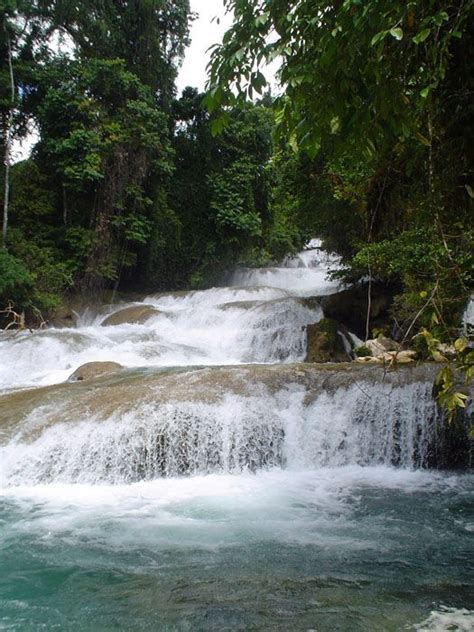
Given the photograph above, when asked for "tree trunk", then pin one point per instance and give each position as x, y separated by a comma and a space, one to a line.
7, 158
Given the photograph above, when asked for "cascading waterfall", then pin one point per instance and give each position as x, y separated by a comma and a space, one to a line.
216, 482
356, 424
219, 326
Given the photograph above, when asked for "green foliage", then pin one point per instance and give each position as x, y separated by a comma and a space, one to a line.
88, 202
362, 351
455, 378
105, 137
353, 72
224, 193
14, 277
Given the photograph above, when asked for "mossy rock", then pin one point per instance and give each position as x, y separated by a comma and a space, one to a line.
324, 344
362, 351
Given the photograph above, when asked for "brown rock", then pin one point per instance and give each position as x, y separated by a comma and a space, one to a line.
382, 344
63, 317
93, 369
128, 315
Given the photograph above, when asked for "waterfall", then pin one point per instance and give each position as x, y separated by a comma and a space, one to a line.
214, 481
229, 421
213, 327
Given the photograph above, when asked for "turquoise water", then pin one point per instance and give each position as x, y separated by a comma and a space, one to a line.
348, 548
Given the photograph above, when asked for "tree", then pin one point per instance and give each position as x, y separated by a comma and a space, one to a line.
359, 72
383, 91
103, 121
105, 137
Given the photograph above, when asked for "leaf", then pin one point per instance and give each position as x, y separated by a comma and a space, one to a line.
259, 82
425, 92
423, 140
293, 143
421, 36
335, 125
217, 125
397, 33
239, 54
459, 400
262, 19
460, 345
378, 38
469, 190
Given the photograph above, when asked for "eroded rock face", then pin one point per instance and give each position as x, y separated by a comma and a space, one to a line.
128, 315
138, 424
91, 370
324, 344
350, 307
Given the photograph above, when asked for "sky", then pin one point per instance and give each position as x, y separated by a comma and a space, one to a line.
204, 33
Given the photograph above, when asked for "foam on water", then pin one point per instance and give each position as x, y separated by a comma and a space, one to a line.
448, 619
220, 509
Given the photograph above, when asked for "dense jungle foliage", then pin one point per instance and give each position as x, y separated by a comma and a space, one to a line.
131, 186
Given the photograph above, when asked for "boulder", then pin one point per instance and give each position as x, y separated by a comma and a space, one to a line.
389, 357
93, 369
128, 315
382, 344
324, 343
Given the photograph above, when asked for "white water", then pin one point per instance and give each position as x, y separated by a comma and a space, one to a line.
362, 424
218, 326
468, 316
221, 510
448, 619
304, 274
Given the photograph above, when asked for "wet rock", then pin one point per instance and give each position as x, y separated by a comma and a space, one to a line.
91, 370
324, 343
131, 315
350, 307
243, 305
63, 317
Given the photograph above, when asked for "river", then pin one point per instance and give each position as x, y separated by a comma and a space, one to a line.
217, 482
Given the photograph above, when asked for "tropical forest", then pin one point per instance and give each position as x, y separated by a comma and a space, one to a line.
236, 315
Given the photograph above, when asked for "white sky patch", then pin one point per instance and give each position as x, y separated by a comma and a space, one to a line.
206, 30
